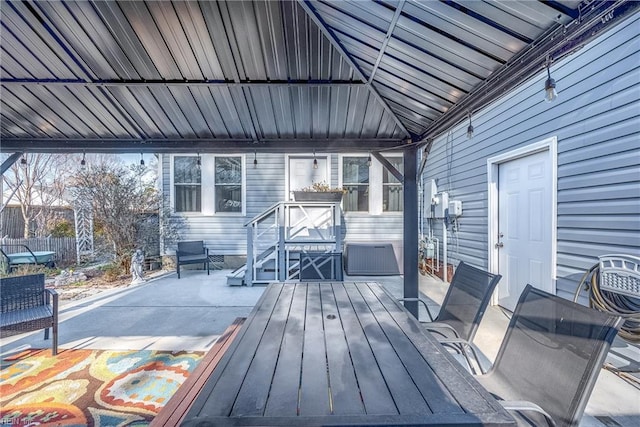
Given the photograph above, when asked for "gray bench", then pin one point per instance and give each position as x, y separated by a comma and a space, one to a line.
26, 306
192, 252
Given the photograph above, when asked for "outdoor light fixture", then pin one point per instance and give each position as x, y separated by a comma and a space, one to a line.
315, 161
550, 93
199, 162
369, 160
141, 159
83, 162
470, 128
23, 161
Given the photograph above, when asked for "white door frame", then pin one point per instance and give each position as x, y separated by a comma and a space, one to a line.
493, 163
287, 161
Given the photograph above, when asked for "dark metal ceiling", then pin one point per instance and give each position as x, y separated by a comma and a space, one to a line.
327, 75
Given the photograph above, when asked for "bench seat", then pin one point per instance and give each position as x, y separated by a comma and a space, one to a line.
19, 319
26, 306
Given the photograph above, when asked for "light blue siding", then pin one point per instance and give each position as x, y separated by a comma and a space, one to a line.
225, 234
596, 120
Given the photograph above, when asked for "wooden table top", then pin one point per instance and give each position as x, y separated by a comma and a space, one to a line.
339, 353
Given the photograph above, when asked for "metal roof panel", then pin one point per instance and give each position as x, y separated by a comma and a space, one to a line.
261, 69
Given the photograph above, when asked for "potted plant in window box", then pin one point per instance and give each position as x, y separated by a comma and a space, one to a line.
319, 192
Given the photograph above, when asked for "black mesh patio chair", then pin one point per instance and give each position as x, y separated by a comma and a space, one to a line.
550, 359
192, 252
462, 310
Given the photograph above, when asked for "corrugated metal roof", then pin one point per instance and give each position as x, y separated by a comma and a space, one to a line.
339, 74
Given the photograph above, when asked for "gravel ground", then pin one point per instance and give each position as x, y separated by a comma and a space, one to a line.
95, 283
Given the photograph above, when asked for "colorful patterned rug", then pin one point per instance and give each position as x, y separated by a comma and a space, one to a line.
90, 387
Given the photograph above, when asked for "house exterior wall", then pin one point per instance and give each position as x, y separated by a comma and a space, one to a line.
596, 120
225, 234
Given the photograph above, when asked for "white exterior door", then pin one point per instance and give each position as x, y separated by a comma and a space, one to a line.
525, 224
303, 174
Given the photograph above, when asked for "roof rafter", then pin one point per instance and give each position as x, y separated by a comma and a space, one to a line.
137, 145
209, 83
311, 13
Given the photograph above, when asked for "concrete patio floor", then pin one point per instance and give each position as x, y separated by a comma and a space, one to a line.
190, 313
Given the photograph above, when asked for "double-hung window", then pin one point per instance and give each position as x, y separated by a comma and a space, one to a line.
187, 181
208, 184
371, 188
392, 196
355, 179
228, 184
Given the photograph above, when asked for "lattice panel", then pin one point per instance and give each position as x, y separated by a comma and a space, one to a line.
83, 214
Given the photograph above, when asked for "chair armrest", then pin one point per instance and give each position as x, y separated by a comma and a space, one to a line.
52, 294
522, 405
434, 326
418, 300
463, 345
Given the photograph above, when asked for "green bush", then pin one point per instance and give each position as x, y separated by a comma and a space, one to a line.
63, 228
111, 272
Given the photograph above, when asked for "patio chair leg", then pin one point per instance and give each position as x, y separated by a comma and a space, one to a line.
54, 344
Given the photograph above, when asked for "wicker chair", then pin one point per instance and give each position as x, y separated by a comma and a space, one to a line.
27, 306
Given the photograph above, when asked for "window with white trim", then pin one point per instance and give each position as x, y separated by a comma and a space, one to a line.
392, 196
371, 188
355, 179
187, 182
228, 184
208, 184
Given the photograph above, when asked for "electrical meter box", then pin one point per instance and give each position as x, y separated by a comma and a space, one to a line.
442, 204
455, 208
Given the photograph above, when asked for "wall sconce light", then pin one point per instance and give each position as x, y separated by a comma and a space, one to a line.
369, 159
83, 162
550, 93
141, 159
255, 159
315, 161
23, 160
470, 128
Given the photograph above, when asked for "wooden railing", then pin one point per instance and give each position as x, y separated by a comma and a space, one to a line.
289, 227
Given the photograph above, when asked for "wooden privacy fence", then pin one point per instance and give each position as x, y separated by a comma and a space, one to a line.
64, 247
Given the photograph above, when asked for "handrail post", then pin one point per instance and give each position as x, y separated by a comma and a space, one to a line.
248, 273
281, 261
337, 226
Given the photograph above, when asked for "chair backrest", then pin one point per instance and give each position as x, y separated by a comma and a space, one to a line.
467, 299
552, 353
20, 292
195, 247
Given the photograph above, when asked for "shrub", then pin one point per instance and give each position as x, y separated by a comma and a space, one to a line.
111, 272
62, 228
